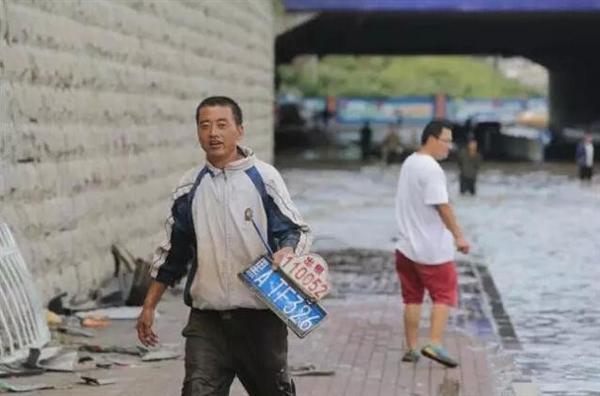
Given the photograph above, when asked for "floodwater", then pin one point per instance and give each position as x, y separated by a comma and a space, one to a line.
537, 229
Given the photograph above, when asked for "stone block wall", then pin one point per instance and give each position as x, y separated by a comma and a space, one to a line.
97, 102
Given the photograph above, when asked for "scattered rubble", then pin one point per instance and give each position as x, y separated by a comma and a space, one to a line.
26, 348
87, 380
5, 386
309, 370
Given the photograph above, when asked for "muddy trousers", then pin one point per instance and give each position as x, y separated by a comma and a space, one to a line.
247, 343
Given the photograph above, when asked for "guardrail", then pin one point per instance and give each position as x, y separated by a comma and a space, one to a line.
22, 321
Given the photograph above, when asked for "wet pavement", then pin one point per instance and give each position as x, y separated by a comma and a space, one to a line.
536, 228
480, 313
368, 272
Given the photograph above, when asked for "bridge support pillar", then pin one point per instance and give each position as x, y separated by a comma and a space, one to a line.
575, 92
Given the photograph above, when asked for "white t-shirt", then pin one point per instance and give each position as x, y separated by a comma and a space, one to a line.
423, 236
589, 154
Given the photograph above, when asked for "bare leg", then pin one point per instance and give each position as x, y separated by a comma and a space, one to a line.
439, 320
412, 316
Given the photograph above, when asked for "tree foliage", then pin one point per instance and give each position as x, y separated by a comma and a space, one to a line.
457, 76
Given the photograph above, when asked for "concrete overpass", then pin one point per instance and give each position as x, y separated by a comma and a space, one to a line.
562, 35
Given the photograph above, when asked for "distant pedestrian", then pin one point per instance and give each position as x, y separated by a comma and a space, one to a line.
585, 157
429, 234
390, 147
365, 141
469, 162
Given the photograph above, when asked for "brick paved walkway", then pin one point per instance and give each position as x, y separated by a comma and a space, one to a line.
361, 341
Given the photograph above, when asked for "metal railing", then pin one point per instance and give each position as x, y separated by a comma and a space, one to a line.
22, 321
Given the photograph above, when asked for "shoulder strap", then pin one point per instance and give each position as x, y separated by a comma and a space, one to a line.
192, 193
257, 179
259, 183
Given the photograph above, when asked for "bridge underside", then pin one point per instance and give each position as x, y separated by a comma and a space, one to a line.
567, 43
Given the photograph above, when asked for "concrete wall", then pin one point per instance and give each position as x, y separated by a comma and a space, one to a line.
97, 102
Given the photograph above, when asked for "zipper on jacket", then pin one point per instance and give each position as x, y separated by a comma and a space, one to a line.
226, 238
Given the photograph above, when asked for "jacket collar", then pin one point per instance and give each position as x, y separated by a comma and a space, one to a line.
242, 164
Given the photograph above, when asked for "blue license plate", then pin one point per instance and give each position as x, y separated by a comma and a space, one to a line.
299, 313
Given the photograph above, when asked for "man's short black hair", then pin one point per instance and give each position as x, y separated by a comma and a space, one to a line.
434, 128
222, 101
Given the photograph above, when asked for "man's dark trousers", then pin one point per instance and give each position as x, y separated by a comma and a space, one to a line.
247, 343
467, 184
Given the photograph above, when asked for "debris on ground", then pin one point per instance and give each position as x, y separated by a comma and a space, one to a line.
136, 350
88, 380
95, 322
141, 279
127, 287
75, 331
29, 365
27, 350
65, 362
53, 319
115, 313
5, 386
8, 370
108, 362
160, 354
309, 370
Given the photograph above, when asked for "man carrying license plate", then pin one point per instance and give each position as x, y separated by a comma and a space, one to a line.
231, 331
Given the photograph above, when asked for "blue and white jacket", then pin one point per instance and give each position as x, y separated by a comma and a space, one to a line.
209, 240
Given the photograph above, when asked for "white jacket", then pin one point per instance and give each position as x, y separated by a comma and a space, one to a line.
209, 239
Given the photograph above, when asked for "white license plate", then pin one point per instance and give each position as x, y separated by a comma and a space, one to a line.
309, 273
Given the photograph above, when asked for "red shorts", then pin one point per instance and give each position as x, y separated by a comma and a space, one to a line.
440, 281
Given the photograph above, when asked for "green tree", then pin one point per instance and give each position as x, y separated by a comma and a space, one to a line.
396, 76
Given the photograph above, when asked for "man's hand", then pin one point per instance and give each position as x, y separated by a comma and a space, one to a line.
144, 327
447, 215
279, 255
462, 245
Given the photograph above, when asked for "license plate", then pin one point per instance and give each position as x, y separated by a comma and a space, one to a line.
308, 273
297, 311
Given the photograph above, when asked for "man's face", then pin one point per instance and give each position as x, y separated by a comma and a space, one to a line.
219, 134
442, 144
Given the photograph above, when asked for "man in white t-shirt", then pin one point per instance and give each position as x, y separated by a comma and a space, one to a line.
429, 235
585, 157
